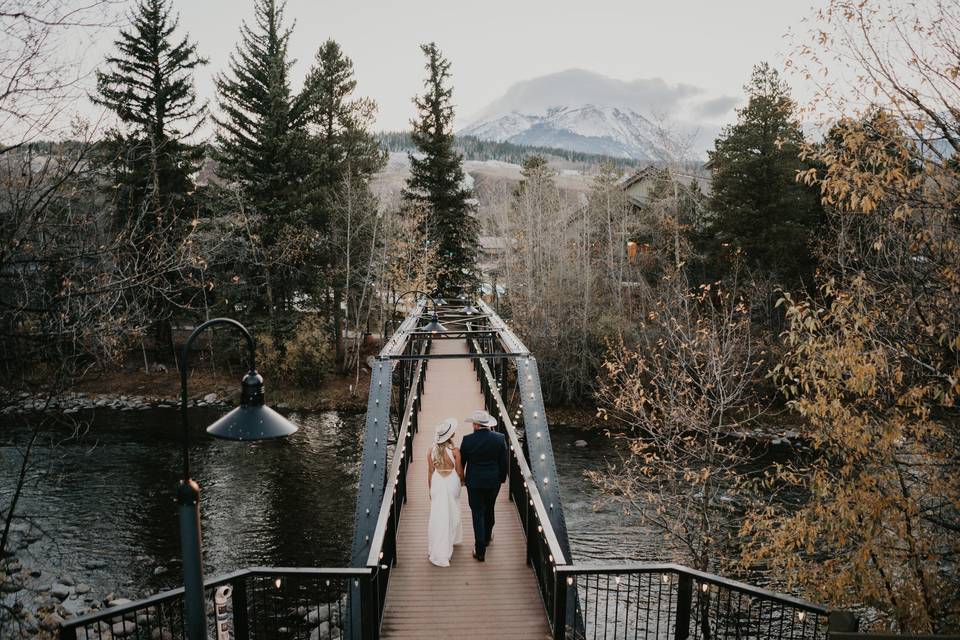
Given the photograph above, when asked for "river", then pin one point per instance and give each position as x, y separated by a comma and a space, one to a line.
102, 505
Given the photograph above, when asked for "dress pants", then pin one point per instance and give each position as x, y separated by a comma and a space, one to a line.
482, 503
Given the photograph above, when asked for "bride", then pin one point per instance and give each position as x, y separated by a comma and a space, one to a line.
444, 475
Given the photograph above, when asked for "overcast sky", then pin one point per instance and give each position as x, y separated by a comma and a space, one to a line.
710, 45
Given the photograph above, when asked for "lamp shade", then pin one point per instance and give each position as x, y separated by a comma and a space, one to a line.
252, 420
469, 309
434, 325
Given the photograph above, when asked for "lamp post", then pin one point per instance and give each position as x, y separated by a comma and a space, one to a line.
434, 326
252, 420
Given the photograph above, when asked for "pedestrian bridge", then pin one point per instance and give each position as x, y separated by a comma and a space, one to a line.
530, 586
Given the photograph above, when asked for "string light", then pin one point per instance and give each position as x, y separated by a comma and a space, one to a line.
277, 582
569, 581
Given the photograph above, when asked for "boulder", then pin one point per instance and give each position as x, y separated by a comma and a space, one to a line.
317, 615
59, 591
322, 632
119, 602
51, 622
81, 589
211, 398
580, 443
123, 629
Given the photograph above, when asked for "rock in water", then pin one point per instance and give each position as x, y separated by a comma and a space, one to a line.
580, 443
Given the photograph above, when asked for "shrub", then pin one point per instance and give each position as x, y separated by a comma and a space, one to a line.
303, 359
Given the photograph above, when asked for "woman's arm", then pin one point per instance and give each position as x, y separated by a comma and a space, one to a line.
458, 463
429, 470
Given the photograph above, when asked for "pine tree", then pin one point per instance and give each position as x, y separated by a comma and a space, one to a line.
435, 185
148, 84
756, 205
262, 140
344, 154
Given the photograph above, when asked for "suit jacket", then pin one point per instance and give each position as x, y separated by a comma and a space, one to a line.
484, 457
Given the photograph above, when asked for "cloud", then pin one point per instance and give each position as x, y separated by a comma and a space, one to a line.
715, 107
649, 96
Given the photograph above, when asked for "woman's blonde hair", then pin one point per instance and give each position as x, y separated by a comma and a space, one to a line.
440, 460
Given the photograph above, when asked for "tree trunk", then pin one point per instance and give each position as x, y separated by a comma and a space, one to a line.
338, 328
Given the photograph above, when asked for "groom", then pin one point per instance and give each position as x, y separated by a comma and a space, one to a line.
484, 455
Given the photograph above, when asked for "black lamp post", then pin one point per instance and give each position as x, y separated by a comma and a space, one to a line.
434, 326
252, 420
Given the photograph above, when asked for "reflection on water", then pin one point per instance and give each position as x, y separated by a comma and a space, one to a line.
598, 532
107, 499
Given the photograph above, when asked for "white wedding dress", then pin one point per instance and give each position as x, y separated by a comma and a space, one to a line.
444, 529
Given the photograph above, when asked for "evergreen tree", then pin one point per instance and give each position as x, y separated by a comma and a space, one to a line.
344, 154
756, 205
262, 139
435, 185
148, 84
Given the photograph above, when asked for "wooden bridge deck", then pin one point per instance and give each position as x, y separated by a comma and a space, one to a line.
469, 599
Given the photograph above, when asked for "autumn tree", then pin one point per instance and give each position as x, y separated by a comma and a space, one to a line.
874, 359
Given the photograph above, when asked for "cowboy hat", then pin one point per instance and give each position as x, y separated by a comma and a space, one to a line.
483, 418
445, 430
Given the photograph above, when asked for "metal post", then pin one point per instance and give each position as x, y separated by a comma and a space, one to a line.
195, 605
684, 602
842, 622
241, 624
370, 616
559, 606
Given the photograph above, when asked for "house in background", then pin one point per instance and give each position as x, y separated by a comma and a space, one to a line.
639, 186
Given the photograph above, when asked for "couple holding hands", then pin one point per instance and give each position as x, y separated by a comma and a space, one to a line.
480, 464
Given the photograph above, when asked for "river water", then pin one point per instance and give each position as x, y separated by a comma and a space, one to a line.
102, 505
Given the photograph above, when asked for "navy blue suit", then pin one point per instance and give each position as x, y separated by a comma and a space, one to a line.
484, 457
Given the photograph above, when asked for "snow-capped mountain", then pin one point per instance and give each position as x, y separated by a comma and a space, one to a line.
588, 112
588, 128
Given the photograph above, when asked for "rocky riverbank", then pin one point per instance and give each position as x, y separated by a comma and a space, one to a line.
70, 403
33, 602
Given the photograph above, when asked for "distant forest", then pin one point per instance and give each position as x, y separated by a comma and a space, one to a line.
474, 148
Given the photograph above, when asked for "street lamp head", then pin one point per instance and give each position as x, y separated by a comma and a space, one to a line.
434, 325
469, 309
252, 420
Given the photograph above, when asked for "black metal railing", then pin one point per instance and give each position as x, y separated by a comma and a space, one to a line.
544, 551
253, 604
674, 602
383, 547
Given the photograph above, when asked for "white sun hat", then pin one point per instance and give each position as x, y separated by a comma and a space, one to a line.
445, 430
481, 417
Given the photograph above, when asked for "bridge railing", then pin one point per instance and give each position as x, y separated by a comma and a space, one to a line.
544, 551
672, 601
252, 604
383, 547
